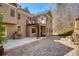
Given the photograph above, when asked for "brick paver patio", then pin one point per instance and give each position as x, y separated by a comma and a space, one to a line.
44, 47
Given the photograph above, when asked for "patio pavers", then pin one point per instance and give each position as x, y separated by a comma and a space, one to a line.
44, 47
18, 42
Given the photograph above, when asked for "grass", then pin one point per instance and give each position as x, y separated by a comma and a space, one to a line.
66, 31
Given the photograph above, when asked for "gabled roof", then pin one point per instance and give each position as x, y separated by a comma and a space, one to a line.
43, 13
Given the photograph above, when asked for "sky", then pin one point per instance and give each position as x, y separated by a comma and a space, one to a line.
35, 8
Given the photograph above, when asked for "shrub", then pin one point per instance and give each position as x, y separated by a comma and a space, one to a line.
66, 32
2, 29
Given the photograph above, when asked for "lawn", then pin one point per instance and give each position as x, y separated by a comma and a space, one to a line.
66, 31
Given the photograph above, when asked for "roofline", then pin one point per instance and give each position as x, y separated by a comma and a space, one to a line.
44, 13
25, 12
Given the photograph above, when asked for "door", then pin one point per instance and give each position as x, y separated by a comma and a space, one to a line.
43, 31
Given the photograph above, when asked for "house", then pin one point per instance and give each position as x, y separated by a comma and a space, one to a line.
20, 23
40, 25
14, 19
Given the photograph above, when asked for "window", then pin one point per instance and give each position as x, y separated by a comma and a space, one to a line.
19, 16
30, 18
33, 30
5, 31
12, 12
19, 28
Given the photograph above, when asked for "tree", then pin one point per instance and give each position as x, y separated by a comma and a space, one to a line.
64, 16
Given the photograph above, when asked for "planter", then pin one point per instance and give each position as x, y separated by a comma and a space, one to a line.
1, 50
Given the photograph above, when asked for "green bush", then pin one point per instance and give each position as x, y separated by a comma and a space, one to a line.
66, 31
2, 29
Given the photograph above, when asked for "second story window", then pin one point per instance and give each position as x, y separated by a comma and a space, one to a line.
19, 16
12, 12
